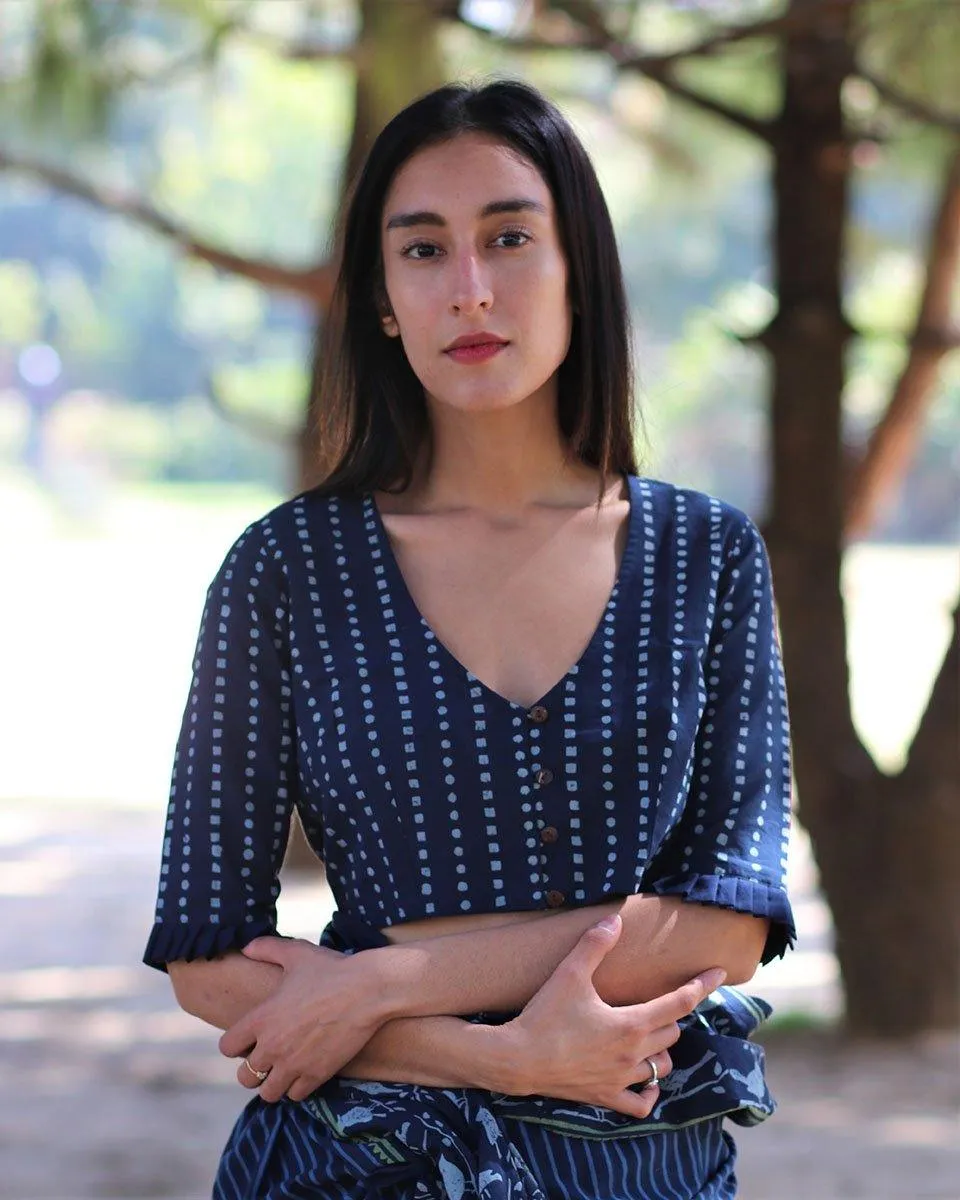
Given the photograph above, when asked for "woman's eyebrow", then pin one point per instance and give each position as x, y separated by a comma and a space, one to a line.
495, 207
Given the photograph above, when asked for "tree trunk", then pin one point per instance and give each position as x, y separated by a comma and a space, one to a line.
398, 58
880, 843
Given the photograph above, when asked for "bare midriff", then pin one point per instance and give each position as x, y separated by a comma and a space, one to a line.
416, 931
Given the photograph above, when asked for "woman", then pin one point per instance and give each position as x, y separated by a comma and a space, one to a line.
528, 705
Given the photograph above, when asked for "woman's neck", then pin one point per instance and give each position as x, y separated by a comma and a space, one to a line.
499, 462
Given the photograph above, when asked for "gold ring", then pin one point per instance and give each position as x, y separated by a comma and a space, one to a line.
261, 1075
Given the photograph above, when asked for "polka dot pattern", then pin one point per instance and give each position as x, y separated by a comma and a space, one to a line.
658, 762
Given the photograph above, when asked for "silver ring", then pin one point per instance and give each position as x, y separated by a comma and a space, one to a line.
655, 1074
261, 1075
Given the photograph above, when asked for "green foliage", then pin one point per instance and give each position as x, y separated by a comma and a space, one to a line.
21, 302
66, 82
915, 44
245, 150
258, 171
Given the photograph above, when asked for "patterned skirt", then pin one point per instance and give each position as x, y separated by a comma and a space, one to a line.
358, 1140
455, 1149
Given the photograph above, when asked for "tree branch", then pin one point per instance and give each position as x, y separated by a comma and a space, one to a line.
894, 439
314, 284
302, 49
912, 107
790, 22
628, 58
261, 429
667, 151
764, 130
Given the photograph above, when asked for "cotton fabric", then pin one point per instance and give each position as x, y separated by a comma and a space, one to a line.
659, 762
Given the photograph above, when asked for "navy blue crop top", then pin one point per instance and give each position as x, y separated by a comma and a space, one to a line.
658, 763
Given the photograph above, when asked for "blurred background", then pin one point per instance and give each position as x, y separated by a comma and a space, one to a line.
785, 183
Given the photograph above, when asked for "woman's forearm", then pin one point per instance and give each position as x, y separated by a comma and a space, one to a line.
222, 990
665, 941
432, 1051
435, 1052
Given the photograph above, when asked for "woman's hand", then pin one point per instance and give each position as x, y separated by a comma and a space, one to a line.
325, 1010
567, 1043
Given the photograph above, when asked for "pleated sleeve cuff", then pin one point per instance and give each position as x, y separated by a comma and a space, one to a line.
752, 896
171, 943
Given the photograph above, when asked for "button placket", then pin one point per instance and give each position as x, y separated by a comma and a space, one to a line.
543, 777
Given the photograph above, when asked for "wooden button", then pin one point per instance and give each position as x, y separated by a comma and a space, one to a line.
549, 835
544, 776
538, 714
555, 899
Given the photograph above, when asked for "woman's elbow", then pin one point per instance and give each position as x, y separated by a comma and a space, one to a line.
744, 947
183, 981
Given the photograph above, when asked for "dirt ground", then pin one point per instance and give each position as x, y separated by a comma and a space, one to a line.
111, 1092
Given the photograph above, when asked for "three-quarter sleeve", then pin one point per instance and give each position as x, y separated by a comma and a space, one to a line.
729, 846
234, 776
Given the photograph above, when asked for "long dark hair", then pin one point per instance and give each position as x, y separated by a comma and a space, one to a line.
373, 421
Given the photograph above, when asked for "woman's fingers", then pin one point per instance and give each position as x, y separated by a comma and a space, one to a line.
277, 1084
635, 1104
240, 1037
252, 1074
645, 1072
592, 948
666, 1009
302, 1087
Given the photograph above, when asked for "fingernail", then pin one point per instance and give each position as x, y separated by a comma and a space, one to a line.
713, 978
610, 924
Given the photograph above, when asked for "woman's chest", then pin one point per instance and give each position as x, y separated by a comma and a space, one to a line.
515, 607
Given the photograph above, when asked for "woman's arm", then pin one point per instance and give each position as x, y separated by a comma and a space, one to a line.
432, 1051
566, 1043
323, 1015
666, 940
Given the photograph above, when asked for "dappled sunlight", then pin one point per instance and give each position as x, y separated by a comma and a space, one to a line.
38, 875
304, 908
813, 969
916, 1131
899, 600
847, 1120
52, 985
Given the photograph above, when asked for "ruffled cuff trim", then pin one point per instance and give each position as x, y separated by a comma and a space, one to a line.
751, 896
172, 943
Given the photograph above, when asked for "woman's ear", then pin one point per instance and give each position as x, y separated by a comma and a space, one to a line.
388, 321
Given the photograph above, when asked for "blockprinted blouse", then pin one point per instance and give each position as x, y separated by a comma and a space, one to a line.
658, 763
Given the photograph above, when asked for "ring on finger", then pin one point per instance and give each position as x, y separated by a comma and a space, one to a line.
261, 1075
654, 1079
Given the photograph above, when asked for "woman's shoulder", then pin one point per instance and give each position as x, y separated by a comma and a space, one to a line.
310, 522
676, 507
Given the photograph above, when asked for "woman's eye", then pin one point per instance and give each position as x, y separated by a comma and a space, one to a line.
420, 251
514, 238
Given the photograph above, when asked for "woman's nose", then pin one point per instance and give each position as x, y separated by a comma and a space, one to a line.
472, 289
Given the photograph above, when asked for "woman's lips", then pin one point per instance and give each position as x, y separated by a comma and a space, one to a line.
477, 353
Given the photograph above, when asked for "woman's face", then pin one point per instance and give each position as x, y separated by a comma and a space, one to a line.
471, 250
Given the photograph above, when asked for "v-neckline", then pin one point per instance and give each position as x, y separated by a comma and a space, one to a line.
403, 596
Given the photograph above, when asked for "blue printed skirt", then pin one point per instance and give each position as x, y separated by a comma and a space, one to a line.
358, 1140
